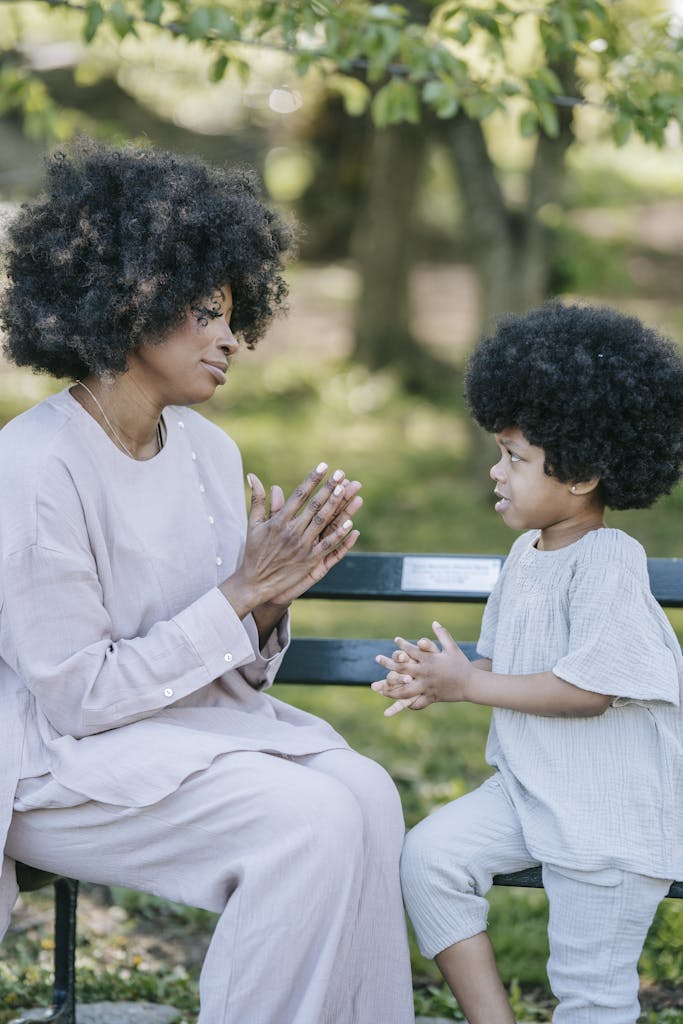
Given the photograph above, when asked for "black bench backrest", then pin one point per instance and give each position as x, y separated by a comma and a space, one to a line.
406, 577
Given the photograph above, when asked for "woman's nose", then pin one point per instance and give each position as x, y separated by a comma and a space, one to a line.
228, 343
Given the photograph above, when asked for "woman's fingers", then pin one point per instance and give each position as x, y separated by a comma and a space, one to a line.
277, 499
300, 495
306, 501
257, 510
334, 556
351, 503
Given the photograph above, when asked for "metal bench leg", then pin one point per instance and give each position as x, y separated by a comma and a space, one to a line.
64, 992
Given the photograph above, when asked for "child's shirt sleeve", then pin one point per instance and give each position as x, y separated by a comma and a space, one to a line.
489, 622
620, 641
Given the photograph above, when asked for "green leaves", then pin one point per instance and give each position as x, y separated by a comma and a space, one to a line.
153, 9
465, 54
395, 102
94, 16
218, 68
443, 97
121, 20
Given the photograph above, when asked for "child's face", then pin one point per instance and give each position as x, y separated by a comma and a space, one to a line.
529, 499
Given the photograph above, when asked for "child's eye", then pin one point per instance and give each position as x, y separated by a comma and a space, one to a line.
513, 457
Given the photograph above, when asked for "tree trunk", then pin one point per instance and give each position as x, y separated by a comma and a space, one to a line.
492, 230
383, 245
511, 250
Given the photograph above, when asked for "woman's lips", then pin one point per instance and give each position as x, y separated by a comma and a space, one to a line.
215, 371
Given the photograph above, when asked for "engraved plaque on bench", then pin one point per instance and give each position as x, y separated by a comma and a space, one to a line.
450, 575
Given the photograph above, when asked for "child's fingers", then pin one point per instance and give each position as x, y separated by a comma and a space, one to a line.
410, 649
391, 665
402, 658
399, 705
425, 644
393, 680
444, 637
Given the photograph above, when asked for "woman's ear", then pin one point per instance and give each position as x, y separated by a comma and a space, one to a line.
585, 486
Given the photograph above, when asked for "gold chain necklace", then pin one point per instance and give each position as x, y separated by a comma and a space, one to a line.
113, 428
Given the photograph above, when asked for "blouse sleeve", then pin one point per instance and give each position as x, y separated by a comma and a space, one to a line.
620, 641
260, 673
56, 634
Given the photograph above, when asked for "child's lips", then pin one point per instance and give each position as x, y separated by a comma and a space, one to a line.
503, 503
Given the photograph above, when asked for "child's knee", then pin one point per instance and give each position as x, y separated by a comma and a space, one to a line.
429, 868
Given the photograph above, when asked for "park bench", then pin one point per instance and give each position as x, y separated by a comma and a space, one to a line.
347, 662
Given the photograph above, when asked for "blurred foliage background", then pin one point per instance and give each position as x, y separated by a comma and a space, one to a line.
427, 208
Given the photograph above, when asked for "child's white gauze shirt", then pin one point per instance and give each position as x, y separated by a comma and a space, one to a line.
605, 791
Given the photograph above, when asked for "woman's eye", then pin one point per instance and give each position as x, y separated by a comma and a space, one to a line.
205, 313
513, 457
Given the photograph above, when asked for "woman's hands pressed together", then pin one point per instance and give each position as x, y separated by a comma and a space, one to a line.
293, 543
421, 674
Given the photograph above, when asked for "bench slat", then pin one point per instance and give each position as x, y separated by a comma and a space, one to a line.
338, 662
530, 878
377, 576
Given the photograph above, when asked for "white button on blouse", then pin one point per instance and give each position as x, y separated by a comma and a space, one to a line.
228, 657
212, 520
202, 488
168, 692
194, 456
219, 560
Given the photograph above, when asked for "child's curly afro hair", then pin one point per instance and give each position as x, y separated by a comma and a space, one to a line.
601, 393
121, 244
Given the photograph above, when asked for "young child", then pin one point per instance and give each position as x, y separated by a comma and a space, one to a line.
579, 663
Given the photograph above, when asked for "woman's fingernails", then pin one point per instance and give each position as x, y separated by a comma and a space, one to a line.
250, 480
338, 490
338, 475
321, 467
347, 524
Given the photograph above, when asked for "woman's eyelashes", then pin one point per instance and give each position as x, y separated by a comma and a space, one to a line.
210, 309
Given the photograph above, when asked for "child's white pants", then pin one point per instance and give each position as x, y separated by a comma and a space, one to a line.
298, 857
598, 920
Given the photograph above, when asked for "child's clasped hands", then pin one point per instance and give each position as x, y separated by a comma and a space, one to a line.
421, 674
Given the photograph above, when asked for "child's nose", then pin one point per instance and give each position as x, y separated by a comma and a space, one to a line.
496, 471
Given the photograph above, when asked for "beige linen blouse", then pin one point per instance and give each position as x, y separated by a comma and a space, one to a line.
123, 669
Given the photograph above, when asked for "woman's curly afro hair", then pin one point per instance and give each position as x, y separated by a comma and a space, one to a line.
601, 393
121, 244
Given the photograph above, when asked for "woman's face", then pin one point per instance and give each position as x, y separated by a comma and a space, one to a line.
192, 362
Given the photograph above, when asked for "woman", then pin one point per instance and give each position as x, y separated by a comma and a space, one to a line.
144, 618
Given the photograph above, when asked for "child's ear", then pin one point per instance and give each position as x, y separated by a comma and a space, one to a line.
585, 486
